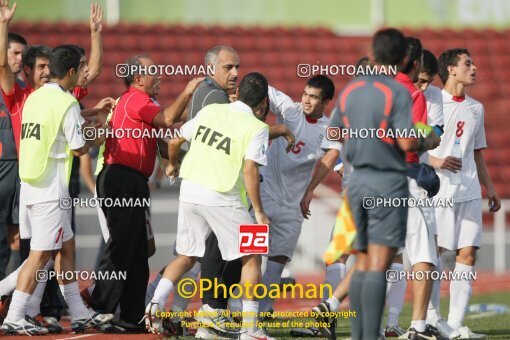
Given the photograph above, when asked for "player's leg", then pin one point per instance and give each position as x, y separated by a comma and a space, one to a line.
332, 304
373, 291
386, 231
192, 232
335, 273
468, 217
360, 217
224, 222
47, 236
421, 250
180, 303
13, 228
447, 229
8, 174
81, 317
460, 288
395, 294
272, 275
286, 224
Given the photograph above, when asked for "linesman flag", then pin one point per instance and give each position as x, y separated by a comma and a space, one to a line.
343, 233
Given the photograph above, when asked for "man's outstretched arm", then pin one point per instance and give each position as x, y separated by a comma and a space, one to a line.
96, 43
6, 75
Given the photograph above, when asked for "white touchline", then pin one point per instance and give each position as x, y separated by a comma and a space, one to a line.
81, 336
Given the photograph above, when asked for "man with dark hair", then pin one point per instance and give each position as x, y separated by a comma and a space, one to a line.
434, 100
428, 72
211, 198
51, 123
460, 227
128, 162
287, 174
420, 243
9, 179
377, 102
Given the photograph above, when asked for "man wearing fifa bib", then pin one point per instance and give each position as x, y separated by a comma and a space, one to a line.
232, 141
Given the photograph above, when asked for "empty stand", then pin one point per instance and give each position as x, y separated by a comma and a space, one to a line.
276, 53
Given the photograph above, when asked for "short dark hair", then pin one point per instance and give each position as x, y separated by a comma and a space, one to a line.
32, 52
80, 49
389, 46
62, 59
324, 84
430, 66
131, 71
363, 62
253, 89
15, 37
449, 58
414, 51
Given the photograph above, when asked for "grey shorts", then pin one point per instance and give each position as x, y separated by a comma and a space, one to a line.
9, 192
378, 224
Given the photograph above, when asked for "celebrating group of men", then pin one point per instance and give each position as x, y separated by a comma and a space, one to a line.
231, 176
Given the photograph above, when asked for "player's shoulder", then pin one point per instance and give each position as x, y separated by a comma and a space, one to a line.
433, 93
324, 120
474, 103
208, 88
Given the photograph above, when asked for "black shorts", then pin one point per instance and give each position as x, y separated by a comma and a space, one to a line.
378, 224
9, 192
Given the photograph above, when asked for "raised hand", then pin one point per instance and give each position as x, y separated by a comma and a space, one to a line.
6, 13
96, 16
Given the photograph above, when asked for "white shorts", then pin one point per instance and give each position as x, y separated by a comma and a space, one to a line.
285, 227
421, 229
460, 226
46, 224
195, 222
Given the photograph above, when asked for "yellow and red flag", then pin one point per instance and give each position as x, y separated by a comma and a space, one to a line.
343, 233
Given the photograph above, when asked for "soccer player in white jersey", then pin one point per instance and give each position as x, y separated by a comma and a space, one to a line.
434, 99
287, 174
460, 227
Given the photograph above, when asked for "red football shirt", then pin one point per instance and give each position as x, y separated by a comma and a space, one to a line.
134, 111
15, 100
419, 108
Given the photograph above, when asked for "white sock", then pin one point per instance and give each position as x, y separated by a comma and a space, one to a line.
250, 314
460, 292
163, 289
273, 274
17, 308
71, 294
433, 311
334, 274
395, 294
8, 284
151, 288
181, 303
333, 303
34, 304
418, 325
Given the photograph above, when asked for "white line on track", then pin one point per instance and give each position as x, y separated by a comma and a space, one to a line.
80, 336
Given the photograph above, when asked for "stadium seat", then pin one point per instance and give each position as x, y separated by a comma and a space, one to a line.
277, 51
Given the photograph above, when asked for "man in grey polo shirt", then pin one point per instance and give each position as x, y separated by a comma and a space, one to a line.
215, 89
379, 171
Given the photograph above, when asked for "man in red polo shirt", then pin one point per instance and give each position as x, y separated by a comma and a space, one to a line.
129, 161
420, 242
